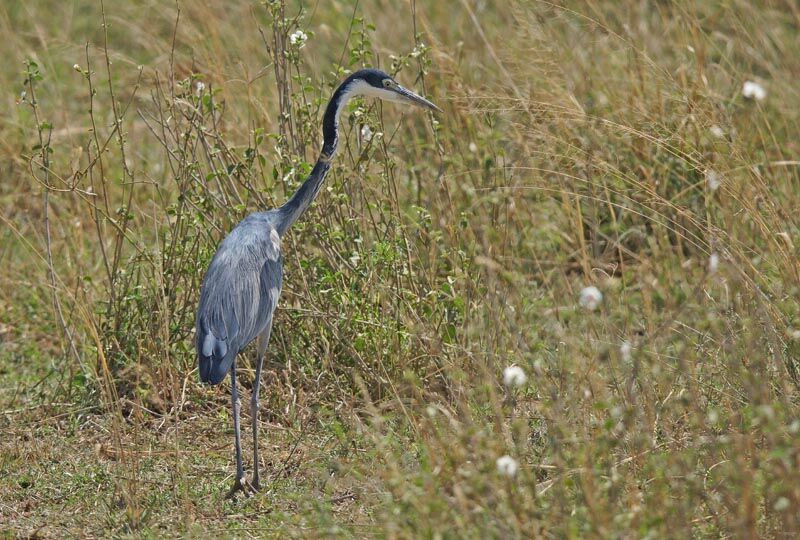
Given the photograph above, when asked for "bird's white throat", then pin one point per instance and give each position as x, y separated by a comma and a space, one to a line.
360, 87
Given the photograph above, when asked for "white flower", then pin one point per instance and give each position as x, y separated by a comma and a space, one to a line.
591, 298
507, 466
366, 133
473, 147
199, 87
514, 376
713, 263
713, 181
625, 350
298, 38
753, 90
77, 67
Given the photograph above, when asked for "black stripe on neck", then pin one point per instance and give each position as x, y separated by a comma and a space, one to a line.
330, 128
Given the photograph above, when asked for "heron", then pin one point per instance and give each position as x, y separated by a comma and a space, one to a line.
243, 282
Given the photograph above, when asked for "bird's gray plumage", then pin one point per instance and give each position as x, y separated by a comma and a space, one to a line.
239, 293
243, 282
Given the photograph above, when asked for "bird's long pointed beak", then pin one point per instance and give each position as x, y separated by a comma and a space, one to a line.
412, 98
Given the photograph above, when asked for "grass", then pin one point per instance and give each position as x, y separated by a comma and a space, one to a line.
582, 143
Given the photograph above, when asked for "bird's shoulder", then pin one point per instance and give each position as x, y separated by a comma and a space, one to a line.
253, 243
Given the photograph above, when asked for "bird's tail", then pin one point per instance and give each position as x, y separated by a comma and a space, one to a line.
214, 355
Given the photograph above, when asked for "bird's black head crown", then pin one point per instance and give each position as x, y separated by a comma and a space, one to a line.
373, 77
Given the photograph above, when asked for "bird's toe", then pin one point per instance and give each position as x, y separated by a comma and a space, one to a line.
240, 484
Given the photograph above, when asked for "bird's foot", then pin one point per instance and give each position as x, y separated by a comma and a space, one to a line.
241, 484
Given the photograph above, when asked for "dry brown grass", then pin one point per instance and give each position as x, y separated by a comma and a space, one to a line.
576, 149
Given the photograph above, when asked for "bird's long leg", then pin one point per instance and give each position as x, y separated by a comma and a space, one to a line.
239, 483
254, 415
262, 352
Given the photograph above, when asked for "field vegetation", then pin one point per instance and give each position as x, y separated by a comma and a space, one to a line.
649, 149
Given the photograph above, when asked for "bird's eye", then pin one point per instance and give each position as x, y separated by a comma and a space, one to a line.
387, 83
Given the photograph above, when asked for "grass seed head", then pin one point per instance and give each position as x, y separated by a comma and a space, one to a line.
625, 350
713, 181
713, 263
590, 298
753, 90
507, 466
514, 376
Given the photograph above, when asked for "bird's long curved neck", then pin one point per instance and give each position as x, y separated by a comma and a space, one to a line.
305, 194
